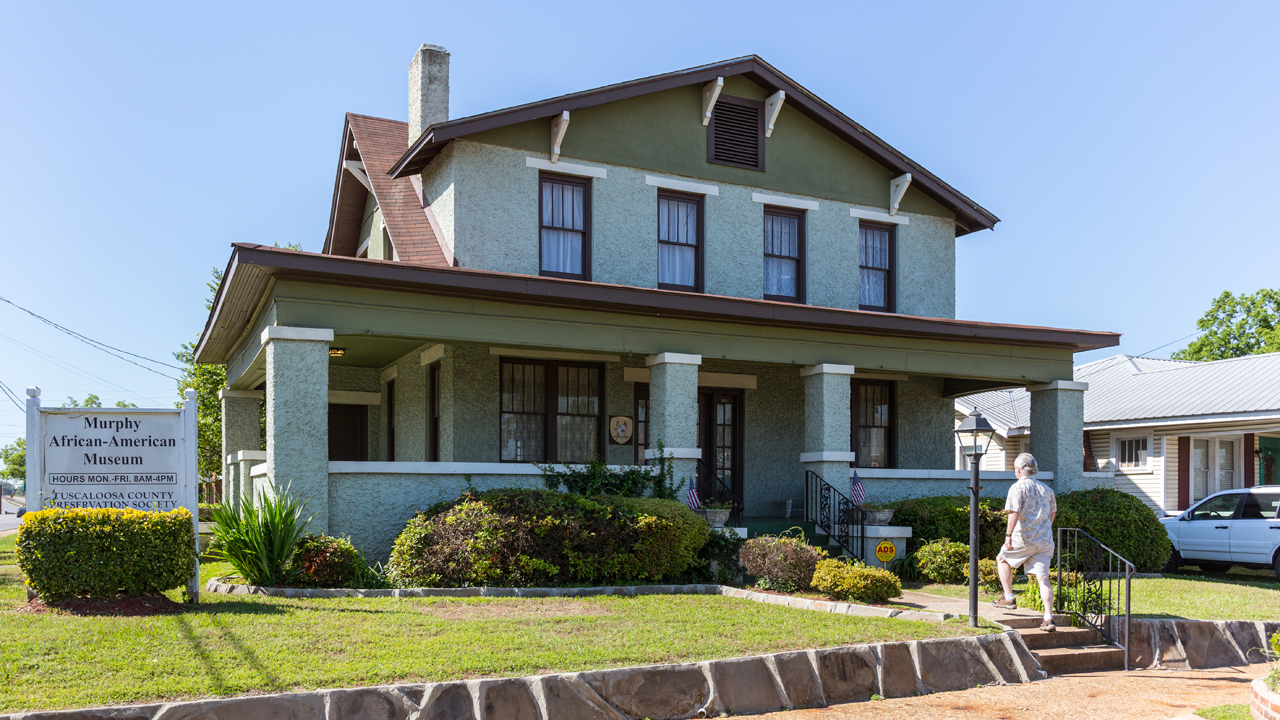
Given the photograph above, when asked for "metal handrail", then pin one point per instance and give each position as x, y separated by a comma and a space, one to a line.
818, 498
1093, 589
712, 486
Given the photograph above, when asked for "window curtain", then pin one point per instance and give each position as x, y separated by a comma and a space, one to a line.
563, 227
523, 412
578, 414
874, 272
781, 253
677, 242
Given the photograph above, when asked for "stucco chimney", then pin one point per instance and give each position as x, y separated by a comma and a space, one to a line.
428, 89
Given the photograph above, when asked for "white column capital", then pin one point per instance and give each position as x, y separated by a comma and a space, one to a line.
1059, 385
828, 456
228, 393
826, 369
673, 358
673, 453
282, 332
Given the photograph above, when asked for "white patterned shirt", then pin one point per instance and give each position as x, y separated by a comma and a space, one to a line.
1035, 503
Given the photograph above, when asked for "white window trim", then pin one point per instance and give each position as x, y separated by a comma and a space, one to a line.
1237, 473
787, 202
682, 186
1115, 453
565, 168
883, 217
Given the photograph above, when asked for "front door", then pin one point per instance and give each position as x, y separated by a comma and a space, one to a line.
720, 437
1206, 533
1268, 460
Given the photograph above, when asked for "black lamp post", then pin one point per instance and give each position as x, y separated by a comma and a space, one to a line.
974, 434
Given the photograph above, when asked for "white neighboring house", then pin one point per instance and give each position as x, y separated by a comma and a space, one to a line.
1171, 432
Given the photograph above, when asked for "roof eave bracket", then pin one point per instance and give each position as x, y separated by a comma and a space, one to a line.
356, 168
772, 107
710, 93
897, 190
559, 125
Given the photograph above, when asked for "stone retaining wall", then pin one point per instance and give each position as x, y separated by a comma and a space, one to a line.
1195, 644
1265, 703
788, 680
217, 586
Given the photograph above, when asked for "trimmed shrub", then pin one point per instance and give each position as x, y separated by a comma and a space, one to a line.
940, 517
781, 563
943, 561
722, 548
988, 574
1121, 522
258, 540
514, 538
596, 478
105, 552
322, 561
856, 582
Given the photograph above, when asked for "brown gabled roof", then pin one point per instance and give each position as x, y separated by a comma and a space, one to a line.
970, 216
379, 142
252, 267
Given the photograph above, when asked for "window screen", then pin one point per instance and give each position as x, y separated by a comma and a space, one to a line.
564, 218
875, 288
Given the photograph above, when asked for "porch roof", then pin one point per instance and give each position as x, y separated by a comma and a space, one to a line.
253, 268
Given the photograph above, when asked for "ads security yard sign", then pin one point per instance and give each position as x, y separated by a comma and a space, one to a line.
139, 458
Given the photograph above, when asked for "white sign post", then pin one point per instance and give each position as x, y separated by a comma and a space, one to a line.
139, 458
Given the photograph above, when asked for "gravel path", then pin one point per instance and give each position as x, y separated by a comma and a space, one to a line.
1147, 694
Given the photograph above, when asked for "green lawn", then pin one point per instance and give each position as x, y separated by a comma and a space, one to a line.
1237, 595
1225, 712
232, 645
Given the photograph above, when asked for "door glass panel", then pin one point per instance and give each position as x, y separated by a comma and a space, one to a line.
1226, 464
1199, 469
1219, 508
724, 438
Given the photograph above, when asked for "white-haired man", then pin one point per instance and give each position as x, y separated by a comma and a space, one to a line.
1028, 539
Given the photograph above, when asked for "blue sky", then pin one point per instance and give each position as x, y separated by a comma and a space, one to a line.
1127, 148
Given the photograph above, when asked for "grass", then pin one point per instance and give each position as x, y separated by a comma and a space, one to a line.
1190, 594
1225, 712
233, 645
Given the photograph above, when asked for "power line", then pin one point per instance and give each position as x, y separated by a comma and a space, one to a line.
1170, 343
72, 368
97, 345
12, 397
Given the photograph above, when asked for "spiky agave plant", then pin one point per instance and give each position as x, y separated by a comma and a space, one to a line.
259, 538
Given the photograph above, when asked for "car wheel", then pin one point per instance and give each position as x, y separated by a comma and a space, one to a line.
1174, 561
1276, 566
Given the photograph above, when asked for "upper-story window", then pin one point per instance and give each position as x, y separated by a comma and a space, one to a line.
876, 268
679, 242
783, 254
564, 206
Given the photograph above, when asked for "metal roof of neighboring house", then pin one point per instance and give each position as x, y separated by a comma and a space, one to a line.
1128, 388
970, 216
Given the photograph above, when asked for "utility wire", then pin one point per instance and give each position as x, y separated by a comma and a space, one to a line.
1154, 349
12, 397
95, 344
68, 366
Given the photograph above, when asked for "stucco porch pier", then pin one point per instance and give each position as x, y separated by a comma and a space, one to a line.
458, 375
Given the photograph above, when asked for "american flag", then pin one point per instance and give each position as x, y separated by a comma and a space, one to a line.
856, 493
694, 502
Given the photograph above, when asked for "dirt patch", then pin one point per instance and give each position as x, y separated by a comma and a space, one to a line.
136, 606
508, 609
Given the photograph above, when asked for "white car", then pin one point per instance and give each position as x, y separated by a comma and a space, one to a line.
1233, 527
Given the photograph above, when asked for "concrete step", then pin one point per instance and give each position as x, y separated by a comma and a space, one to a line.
1087, 658
1033, 621
1037, 639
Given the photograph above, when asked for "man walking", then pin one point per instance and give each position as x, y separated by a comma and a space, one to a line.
1028, 538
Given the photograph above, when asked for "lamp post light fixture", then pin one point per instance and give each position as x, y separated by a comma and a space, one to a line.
974, 434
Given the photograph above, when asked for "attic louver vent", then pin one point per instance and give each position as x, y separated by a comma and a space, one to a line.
735, 135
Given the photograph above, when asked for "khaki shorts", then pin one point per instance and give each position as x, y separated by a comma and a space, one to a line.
1037, 558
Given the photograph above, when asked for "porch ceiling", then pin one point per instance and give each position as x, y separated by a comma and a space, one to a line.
371, 351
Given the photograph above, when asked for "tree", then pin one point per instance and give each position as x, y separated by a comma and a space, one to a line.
14, 456
207, 380
1236, 326
93, 401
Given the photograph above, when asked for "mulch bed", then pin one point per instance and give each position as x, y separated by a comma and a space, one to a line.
135, 606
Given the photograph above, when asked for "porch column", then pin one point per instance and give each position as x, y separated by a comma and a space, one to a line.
826, 423
673, 412
298, 416
240, 431
1057, 426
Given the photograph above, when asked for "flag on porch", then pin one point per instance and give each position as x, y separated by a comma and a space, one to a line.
856, 493
694, 502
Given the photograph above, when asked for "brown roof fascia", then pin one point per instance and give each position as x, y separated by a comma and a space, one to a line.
556, 292
970, 215
338, 185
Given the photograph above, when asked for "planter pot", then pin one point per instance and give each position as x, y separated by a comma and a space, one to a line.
716, 518
879, 517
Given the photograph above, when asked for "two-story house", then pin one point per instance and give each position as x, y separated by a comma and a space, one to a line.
714, 260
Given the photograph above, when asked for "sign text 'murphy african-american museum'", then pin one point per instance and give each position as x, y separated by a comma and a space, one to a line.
118, 460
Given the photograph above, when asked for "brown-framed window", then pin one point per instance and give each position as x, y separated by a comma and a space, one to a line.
391, 420
551, 411
641, 421
876, 267
783, 254
564, 212
735, 135
873, 427
679, 242
349, 432
433, 420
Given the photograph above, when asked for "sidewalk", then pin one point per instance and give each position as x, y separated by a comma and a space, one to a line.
959, 606
1141, 694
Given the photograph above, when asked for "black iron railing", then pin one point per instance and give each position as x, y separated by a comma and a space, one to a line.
713, 488
834, 514
1091, 580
